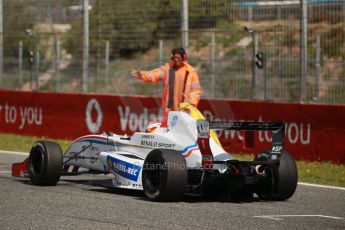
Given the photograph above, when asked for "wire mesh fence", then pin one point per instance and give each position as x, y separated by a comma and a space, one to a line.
134, 34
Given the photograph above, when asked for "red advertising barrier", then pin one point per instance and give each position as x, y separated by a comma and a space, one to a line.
313, 132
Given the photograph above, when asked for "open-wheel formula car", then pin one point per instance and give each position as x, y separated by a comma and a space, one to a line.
179, 157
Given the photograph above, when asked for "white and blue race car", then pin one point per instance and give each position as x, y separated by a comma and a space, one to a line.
178, 157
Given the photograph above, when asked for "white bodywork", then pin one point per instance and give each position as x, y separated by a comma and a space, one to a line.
124, 156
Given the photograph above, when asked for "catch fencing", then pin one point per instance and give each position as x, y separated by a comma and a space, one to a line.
285, 54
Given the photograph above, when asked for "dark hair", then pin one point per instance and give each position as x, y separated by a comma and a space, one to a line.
180, 51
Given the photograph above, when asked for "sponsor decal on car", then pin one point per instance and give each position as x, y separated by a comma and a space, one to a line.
146, 136
123, 168
173, 121
155, 144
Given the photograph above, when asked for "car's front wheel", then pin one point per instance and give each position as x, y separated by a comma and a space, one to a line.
45, 163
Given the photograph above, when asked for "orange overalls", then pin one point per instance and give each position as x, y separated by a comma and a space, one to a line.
186, 86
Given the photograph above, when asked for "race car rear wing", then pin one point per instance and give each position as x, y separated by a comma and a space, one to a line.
277, 128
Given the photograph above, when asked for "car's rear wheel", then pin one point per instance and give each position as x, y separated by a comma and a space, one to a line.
164, 175
281, 182
45, 163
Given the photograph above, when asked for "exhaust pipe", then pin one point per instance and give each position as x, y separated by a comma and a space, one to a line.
260, 169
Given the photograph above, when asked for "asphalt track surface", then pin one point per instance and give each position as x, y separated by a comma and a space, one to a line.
84, 202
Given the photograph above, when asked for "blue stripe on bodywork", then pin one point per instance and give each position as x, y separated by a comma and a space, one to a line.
188, 147
97, 142
113, 144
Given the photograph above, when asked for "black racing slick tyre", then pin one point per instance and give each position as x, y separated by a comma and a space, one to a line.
164, 175
45, 163
282, 180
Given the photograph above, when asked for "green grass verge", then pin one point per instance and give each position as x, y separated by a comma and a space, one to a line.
324, 173
12, 142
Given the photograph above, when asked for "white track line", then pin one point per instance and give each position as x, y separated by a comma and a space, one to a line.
280, 217
12, 152
321, 186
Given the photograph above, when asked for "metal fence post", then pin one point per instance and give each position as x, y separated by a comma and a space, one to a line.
213, 63
279, 12
57, 65
255, 78
106, 72
317, 70
303, 51
184, 24
254, 68
85, 45
20, 61
1, 45
161, 52
250, 13
37, 71
265, 59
